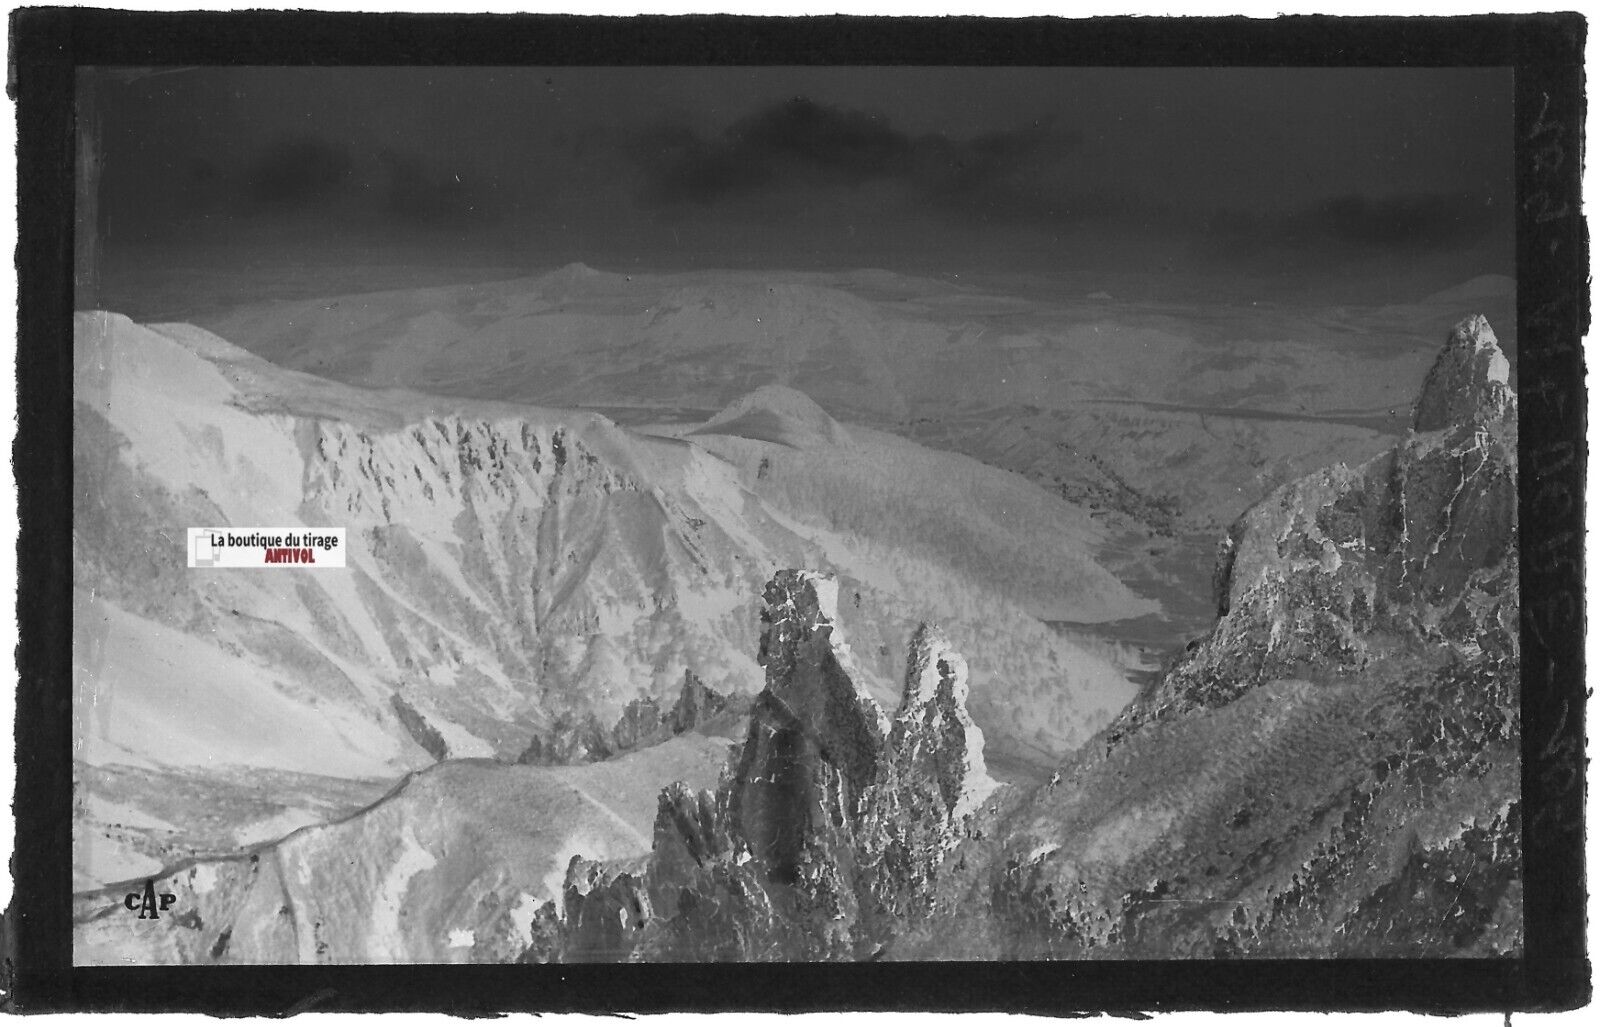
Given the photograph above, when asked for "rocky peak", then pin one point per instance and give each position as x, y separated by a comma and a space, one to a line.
815, 738
603, 908
933, 734
811, 679
581, 739
828, 832
1470, 381
1350, 566
696, 704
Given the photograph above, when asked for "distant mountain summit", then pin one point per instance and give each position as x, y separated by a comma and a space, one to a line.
577, 273
777, 413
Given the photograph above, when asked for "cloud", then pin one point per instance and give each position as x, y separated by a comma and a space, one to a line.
799, 143
1411, 219
334, 178
413, 190
296, 170
1414, 220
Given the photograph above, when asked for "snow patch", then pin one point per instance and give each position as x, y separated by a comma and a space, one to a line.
98, 860
385, 938
522, 913
1499, 369
203, 878
106, 812
273, 828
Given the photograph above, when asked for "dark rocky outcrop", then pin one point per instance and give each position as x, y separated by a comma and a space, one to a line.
933, 780
417, 726
828, 829
581, 739
605, 909
698, 705
933, 739
815, 739
568, 740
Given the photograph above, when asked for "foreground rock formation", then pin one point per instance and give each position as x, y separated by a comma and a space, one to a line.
829, 829
1333, 771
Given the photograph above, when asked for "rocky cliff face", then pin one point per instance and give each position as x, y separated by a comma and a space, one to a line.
1348, 568
828, 829
1335, 769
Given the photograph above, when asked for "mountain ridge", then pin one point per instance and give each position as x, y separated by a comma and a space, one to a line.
1333, 769
508, 566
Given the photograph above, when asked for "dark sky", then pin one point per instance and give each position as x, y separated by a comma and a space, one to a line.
662, 167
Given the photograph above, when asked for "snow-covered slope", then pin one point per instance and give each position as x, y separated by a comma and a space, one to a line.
506, 564
778, 414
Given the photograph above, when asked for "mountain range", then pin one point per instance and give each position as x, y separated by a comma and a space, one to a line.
1333, 771
596, 687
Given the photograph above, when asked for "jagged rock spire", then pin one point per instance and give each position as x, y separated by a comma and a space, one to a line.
696, 704
1469, 382
815, 738
604, 910
829, 831
933, 734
